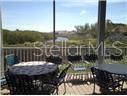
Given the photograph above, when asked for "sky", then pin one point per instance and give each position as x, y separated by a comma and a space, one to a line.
37, 14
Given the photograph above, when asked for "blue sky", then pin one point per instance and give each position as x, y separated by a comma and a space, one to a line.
37, 14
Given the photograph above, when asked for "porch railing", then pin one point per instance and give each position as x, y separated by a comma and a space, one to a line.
34, 54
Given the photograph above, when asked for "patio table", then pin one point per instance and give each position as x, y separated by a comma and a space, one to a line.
33, 68
120, 69
39, 72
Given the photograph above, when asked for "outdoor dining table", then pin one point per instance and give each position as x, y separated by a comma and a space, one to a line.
36, 69
37, 75
120, 69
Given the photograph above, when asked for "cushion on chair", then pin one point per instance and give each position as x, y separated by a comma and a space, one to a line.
11, 59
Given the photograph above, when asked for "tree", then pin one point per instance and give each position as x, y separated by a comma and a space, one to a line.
20, 37
83, 31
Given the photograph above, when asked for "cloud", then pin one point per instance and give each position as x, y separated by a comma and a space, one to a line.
83, 12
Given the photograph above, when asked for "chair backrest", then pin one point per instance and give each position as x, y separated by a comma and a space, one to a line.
74, 58
11, 59
102, 77
116, 57
19, 84
54, 59
63, 74
90, 57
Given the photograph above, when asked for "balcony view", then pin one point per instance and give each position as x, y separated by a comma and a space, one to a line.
63, 47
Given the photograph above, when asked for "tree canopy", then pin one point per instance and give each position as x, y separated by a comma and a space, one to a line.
89, 31
20, 37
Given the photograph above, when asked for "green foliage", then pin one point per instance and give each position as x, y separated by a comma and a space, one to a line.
80, 36
87, 31
20, 37
112, 30
90, 31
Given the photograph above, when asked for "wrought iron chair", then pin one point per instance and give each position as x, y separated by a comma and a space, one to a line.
54, 59
25, 85
91, 61
116, 57
79, 66
90, 57
10, 60
105, 80
76, 62
60, 79
19, 84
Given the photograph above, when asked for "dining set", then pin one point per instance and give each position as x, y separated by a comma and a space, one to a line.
110, 78
34, 77
45, 77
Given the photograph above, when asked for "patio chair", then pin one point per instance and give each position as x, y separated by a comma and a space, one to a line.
25, 85
91, 58
105, 81
116, 57
18, 84
76, 62
54, 59
91, 61
60, 79
11, 59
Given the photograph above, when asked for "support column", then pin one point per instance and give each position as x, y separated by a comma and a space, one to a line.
101, 30
1, 46
54, 37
